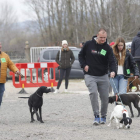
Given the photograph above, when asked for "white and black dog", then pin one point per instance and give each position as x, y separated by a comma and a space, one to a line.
127, 99
120, 114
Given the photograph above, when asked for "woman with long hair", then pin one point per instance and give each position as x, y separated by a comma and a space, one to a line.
65, 59
125, 64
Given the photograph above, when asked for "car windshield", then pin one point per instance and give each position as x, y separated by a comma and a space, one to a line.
51, 54
75, 53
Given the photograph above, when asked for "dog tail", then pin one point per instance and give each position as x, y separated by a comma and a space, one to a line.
23, 97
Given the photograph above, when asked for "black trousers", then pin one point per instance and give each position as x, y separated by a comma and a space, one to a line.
67, 73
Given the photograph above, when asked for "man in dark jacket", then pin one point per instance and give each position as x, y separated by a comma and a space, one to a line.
95, 57
135, 48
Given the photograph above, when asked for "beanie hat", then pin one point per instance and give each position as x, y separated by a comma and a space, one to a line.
64, 42
112, 43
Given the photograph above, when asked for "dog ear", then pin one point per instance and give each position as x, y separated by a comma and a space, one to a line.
124, 115
121, 121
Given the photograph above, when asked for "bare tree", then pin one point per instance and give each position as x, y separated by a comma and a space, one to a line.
7, 23
78, 20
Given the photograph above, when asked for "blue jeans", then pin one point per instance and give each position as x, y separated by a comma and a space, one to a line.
2, 89
119, 84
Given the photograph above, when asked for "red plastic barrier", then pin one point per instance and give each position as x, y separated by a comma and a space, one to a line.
30, 83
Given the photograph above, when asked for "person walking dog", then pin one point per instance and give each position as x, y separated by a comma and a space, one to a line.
5, 63
126, 65
95, 57
65, 59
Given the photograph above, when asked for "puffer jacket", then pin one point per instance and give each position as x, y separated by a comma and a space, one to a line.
6, 63
67, 58
130, 66
135, 46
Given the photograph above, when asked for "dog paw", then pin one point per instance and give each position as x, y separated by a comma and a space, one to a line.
52, 90
41, 121
31, 121
132, 116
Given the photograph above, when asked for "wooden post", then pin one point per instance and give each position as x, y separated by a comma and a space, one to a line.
27, 51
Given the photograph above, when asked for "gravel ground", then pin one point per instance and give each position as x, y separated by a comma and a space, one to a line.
66, 116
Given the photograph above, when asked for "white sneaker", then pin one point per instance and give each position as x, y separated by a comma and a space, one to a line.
66, 90
56, 91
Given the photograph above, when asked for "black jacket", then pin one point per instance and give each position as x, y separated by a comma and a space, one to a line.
98, 57
135, 46
67, 58
129, 66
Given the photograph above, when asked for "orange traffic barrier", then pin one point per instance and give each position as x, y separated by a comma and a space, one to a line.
28, 81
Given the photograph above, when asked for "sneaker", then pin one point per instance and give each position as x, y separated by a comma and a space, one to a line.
56, 91
66, 90
97, 120
103, 120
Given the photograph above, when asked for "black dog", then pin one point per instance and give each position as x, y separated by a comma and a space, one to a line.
35, 102
126, 100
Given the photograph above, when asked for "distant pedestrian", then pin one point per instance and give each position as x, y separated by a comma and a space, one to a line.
81, 44
65, 59
94, 58
135, 48
5, 63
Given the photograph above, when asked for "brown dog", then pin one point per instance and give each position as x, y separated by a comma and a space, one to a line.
135, 83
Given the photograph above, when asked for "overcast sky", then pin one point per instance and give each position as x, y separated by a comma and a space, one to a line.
19, 7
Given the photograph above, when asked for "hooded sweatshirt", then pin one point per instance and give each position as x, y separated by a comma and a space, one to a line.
135, 46
98, 57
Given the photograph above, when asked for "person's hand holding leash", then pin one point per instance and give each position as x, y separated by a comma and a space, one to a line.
112, 74
18, 73
86, 68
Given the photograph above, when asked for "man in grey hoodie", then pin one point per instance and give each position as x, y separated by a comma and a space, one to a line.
135, 48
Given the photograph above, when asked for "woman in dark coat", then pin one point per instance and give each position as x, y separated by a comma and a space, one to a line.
65, 59
125, 64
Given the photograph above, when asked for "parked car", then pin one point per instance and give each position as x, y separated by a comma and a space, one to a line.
128, 45
49, 55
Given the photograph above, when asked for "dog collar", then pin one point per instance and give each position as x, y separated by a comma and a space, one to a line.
124, 110
38, 95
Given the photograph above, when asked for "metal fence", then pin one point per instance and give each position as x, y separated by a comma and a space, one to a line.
35, 52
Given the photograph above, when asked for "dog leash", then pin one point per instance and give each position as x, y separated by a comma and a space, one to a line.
29, 80
129, 84
117, 92
122, 90
126, 86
